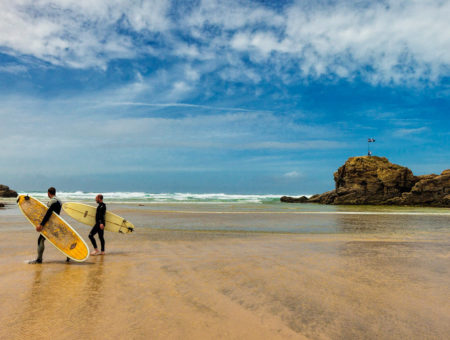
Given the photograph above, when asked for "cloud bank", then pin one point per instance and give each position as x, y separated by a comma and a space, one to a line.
381, 42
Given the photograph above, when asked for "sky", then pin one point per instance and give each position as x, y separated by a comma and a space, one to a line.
219, 95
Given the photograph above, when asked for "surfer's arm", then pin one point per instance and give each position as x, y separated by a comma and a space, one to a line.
48, 214
101, 217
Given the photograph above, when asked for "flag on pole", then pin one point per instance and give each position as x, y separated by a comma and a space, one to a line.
371, 140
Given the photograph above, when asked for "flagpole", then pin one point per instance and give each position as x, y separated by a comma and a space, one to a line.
369, 140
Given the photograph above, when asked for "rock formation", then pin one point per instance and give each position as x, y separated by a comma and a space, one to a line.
288, 199
374, 180
6, 192
431, 190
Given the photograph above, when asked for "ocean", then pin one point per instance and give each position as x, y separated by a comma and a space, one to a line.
219, 212
146, 197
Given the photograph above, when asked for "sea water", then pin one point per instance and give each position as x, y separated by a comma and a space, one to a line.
146, 197
262, 213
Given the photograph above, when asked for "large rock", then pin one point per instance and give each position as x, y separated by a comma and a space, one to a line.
325, 198
6, 192
374, 180
431, 190
288, 199
367, 180
371, 180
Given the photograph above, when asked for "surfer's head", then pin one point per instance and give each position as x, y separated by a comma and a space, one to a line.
51, 192
99, 198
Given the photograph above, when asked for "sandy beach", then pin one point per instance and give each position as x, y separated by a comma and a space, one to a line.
220, 271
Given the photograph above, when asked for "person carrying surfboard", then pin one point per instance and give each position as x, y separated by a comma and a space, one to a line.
54, 205
99, 226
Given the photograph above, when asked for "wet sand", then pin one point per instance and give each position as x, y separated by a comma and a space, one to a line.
169, 280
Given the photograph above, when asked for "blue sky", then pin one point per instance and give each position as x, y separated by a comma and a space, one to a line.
219, 96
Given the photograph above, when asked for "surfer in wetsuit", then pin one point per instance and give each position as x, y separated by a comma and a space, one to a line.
54, 205
99, 226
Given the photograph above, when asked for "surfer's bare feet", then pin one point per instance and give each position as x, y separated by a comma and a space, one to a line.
102, 253
35, 261
95, 252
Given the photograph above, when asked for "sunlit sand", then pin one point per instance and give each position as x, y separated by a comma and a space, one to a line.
233, 276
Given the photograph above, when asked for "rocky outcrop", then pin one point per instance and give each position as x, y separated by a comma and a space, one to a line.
431, 190
6, 192
325, 198
374, 180
288, 199
371, 180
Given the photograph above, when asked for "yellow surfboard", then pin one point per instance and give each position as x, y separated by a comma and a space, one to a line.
57, 231
86, 214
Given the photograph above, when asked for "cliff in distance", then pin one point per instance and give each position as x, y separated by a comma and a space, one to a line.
374, 180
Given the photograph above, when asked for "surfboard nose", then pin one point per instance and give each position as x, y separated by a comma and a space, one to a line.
21, 198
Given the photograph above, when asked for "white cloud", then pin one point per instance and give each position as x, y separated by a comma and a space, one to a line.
398, 41
409, 132
76, 34
12, 68
302, 145
406, 41
231, 15
179, 88
292, 175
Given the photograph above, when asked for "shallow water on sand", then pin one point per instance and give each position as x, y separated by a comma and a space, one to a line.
258, 271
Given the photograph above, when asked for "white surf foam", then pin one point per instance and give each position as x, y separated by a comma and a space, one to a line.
143, 197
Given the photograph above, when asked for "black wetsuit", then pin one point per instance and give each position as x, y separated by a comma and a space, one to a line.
54, 205
99, 219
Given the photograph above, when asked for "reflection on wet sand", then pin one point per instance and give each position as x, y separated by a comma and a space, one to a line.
317, 277
56, 289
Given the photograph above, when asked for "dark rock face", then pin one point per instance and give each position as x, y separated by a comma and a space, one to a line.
1, 205
325, 198
374, 180
431, 190
6, 192
288, 199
